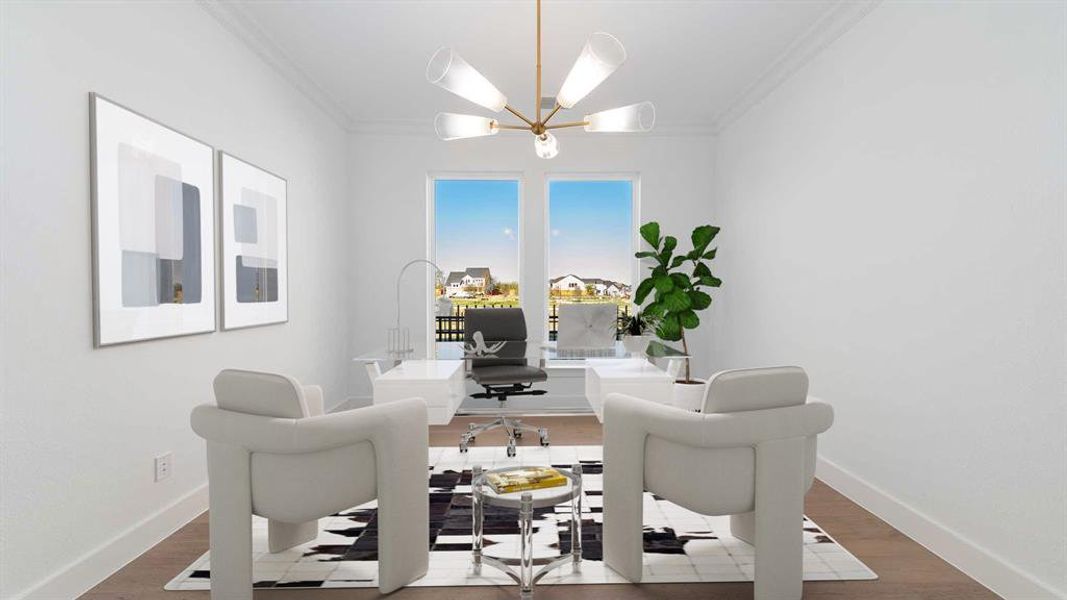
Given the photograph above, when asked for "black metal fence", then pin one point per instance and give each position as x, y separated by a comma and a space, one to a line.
449, 328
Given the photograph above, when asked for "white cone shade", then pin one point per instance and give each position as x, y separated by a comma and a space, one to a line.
548, 147
632, 118
451, 126
448, 70
600, 57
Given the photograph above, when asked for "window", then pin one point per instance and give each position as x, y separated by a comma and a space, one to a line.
590, 244
476, 244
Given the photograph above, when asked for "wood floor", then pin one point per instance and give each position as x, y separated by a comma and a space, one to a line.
906, 570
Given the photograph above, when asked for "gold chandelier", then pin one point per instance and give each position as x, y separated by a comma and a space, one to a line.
600, 57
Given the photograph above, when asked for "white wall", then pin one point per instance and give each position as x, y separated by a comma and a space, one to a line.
81, 426
389, 180
894, 222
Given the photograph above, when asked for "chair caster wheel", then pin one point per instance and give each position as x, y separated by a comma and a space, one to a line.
543, 433
472, 439
511, 450
518, 433
463, 448
471, 426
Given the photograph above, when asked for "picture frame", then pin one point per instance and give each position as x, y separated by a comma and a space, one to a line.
152, 194
254, 244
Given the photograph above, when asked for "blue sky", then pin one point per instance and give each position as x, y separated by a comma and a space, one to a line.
590, 225
478, 226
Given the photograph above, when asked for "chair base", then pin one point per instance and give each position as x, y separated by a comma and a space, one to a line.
513, 427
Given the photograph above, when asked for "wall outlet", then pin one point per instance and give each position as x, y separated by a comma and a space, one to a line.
163, 462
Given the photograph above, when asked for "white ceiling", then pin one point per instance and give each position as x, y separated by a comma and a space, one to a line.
364, 61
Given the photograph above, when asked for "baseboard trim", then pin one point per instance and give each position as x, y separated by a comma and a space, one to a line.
976, 562
100, 563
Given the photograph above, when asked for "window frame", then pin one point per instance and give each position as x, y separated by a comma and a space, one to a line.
431, 231
634, 177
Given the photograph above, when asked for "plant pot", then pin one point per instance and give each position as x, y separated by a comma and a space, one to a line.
636, 344
689, 396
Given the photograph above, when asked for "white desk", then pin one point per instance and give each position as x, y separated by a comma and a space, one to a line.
436, 371
633, 376
439, 382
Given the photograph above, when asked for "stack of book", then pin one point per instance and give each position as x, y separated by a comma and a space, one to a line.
525, 478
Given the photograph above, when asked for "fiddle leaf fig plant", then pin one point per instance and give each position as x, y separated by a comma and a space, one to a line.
677, 282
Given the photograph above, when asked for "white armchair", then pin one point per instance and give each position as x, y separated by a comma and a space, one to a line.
750, 454
272, 452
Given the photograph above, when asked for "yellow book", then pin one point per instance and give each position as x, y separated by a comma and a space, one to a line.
525, 478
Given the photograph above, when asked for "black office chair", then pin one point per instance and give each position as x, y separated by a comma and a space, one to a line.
505, 372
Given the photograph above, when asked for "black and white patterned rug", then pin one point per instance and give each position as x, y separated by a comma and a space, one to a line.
680, 545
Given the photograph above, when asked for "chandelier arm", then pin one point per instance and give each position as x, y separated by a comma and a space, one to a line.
538, 99
554, 111
571, 124
518, 114
512, 127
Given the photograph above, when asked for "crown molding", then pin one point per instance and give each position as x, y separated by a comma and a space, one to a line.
236, 19
834, 23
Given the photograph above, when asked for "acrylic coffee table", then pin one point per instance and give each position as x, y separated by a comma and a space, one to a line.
482, 495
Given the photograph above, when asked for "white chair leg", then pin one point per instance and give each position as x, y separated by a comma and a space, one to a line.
282, 536
230, 521
403, 508
778, 520
623, 482
403, 538
743, 527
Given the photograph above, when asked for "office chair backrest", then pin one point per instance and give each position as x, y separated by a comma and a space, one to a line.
587, 326
263, 394
497, 325
756, 389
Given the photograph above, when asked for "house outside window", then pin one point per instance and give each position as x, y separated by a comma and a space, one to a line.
476, 244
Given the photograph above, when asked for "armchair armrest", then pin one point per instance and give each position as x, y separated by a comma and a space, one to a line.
312, 434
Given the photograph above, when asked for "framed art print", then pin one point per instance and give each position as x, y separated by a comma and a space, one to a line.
153, 205
255, 274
